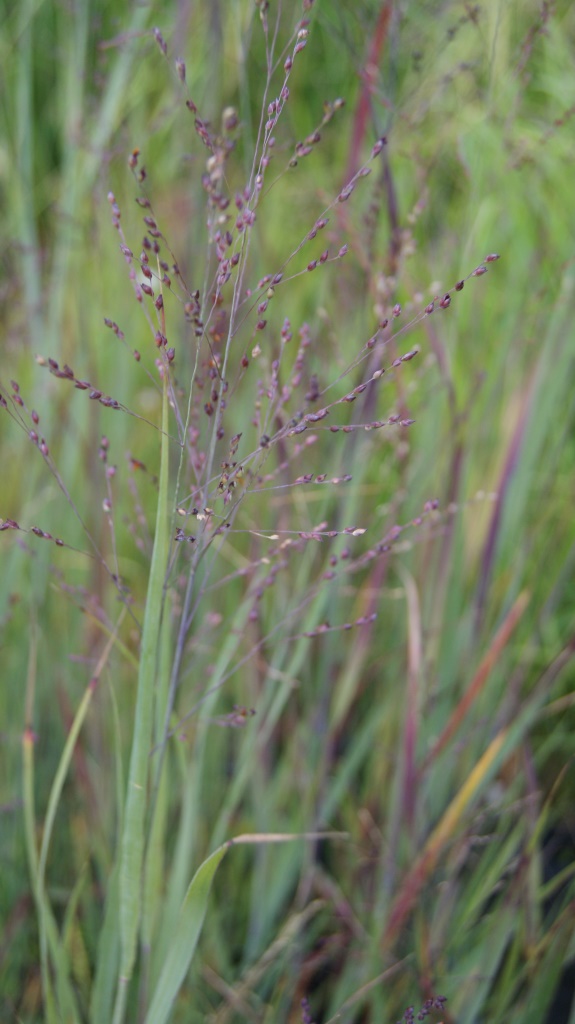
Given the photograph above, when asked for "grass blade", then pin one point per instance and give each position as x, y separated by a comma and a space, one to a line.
185, 938
133, 838
191, 919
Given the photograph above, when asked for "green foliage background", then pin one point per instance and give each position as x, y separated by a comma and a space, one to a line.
478, 103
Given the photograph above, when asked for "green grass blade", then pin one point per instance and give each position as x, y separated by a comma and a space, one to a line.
108, 954
60, 1005
185, 938
191, 919
106, 973
60, 778
133, 838
24, 206
155, 865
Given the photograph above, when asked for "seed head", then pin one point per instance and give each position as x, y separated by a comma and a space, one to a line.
160, 41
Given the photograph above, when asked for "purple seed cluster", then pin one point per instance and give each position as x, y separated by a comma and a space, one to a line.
253, 399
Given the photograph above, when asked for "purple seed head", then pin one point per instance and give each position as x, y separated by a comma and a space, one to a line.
160, 41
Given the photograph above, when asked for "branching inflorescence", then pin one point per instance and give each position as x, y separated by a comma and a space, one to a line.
227, 436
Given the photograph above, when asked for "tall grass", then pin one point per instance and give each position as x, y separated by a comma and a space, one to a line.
287, 541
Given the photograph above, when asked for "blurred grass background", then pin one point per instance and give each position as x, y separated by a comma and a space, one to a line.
478, 104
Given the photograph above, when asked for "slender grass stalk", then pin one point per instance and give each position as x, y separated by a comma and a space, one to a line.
60, 1003
106, 974
53, 955
26, 225
156, 853
134, 830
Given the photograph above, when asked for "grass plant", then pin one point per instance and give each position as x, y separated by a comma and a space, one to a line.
286, 624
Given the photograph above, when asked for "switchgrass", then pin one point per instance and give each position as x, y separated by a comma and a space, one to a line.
349, 651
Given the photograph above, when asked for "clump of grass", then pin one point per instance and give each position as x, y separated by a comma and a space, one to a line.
248, 557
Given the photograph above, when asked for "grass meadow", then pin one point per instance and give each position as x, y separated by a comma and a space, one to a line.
287, 534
